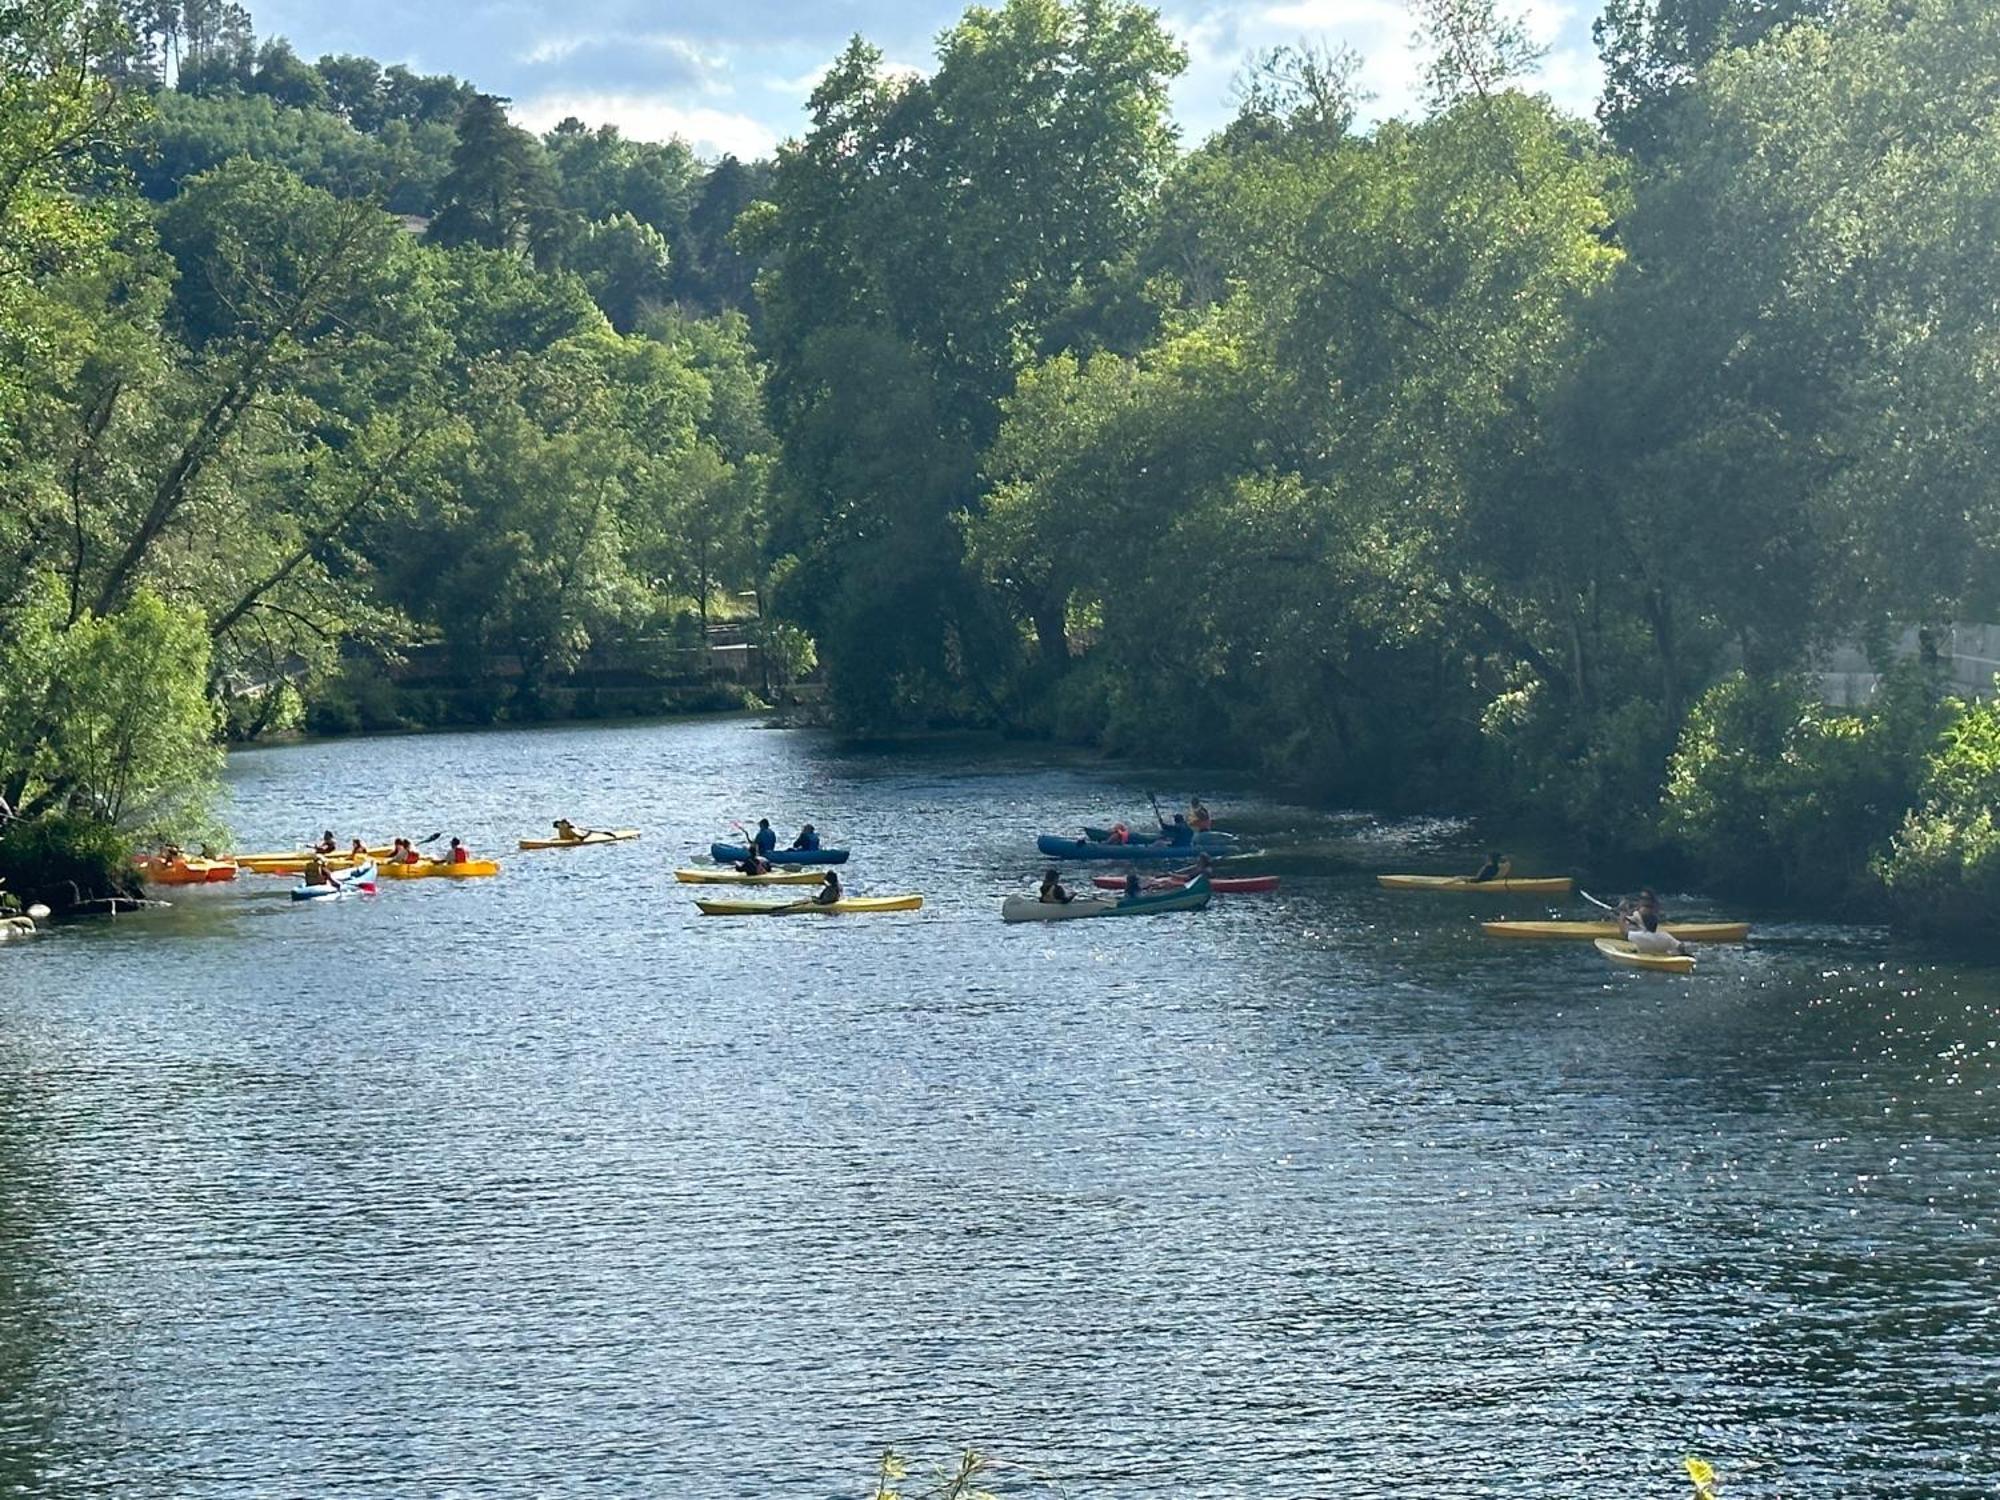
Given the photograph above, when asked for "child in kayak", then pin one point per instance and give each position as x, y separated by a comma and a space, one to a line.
357, 851
754, 863
1052, 891
829, 893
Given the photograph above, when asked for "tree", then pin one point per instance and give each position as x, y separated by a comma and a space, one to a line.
625, 265
499, 192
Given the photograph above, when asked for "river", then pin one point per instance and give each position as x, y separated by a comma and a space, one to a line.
546, 1185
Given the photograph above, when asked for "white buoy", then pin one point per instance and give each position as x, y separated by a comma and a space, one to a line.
39, 912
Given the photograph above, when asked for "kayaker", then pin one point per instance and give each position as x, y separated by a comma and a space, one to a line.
318, 871
1200, 816
1052, 890
753, 863
829, 891
766, 840
1179, 834
171, 854
1648, 938
405, 853
807, 840
1132, 886
459, 855
567, 831
1496, 867
1634, 910
357, 851
327, 843
1120, 834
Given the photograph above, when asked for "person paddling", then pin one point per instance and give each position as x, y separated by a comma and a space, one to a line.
318, 871
569, 833
766, 840
829, 892
327, 843
1648, 938
1200, 816
1496, 867
357, 851
1132, 886
1179, 834
1053, 893
808, 840
753, 863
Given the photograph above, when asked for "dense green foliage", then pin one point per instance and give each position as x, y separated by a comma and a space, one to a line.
251, 426
1491, 458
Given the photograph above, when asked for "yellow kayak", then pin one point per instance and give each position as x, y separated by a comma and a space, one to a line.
293, 864
1513, 885
846, 905
1621, 952
737, 877
425, 869
1687, 932
595, 836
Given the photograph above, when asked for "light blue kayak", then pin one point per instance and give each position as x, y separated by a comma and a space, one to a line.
345, 883
1191, 897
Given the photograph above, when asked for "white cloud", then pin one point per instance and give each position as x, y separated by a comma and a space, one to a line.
646, 117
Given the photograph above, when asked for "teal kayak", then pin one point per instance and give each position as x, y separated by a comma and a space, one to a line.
1191, 897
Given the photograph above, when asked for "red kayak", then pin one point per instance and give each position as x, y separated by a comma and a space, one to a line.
1241, 885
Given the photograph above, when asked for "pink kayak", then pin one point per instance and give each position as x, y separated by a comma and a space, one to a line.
1241, 885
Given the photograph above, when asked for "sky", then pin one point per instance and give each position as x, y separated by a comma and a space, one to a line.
733, 75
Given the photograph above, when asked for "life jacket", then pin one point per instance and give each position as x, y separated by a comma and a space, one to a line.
461, 856
1120, 834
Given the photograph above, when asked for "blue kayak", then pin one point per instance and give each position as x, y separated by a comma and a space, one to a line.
345, 883
735, 854
1209, 840
1061, 848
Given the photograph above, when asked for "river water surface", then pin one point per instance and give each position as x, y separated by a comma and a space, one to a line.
546, 1185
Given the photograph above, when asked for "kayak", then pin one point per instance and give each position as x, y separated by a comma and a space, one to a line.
846, 905
1687, 932
595, 836
1222, 885
1057, 847
1622, 952
1191, 897
266, 864
737, 877
344, 884
425, 869
156, 871
1210, 840
1513, 885
735, 854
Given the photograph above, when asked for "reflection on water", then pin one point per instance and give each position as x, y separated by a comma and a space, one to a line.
545, 1185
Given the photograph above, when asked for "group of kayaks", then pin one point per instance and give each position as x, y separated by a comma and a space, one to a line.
353, 870
799, 866
1608, 936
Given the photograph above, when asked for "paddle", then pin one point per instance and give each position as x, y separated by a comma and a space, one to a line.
1605, 905
1159, 816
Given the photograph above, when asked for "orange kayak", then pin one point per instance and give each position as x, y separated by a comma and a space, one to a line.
156, 871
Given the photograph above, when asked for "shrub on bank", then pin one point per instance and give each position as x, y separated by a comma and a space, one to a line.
1942, 867
65, 859
1777, 796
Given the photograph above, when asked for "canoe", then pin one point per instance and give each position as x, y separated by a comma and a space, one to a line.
737, 877
1513, 885
1621, 952
1057, 847
1191, 897
155, 871
1213, 839
429, 868
1687, 932
595, 836
344, 884
735, 854
846, 905
1222, 885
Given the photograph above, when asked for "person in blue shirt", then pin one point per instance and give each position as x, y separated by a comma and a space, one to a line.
808, 839
766, 840
1179, 833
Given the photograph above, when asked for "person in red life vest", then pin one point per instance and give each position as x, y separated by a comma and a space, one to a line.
460, 855
1120, 834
